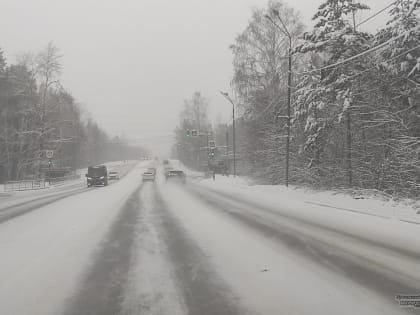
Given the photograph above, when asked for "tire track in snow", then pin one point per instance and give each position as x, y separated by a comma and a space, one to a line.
14, 211
203, 291
299, 220
102, 287
148, 265
151, 286
366, 273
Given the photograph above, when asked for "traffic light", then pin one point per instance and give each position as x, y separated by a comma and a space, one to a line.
50, 163
212, 152
188, 133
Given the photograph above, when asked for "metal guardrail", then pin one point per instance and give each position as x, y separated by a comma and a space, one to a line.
33, 184
62, 179
24, 185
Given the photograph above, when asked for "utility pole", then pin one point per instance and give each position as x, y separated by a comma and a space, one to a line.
234, 140
286, 32
198, 138
208, 151
289, 83
226, 95
227, 150
348, 125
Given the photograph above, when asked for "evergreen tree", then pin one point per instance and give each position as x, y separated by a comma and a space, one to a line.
335, 38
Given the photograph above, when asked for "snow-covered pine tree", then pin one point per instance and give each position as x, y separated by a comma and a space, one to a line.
399, 71
309, 117
404, 25
335, 39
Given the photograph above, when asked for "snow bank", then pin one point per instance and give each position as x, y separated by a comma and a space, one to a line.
336, 201
2, 192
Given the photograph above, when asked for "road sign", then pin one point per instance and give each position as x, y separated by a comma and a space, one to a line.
49, 154
212, 144
194, 133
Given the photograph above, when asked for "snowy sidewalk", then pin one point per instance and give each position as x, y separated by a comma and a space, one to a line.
335, 201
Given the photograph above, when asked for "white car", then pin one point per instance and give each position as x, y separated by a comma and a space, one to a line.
113, 175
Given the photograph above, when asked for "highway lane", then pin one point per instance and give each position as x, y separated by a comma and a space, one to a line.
46, 252
19, 204
358, 274
163, 248
165, 260
148, 264
326, 246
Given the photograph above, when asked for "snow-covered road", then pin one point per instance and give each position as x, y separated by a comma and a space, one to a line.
17, 203
162, 248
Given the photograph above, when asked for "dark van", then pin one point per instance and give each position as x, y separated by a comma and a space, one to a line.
97, 175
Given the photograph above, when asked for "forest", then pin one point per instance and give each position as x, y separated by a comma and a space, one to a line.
347, 113
37, 114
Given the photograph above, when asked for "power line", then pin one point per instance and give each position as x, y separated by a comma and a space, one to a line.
387, 60
362, 53
377, 13
364, 21
268, 107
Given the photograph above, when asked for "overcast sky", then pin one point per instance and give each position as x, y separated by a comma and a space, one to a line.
132, 62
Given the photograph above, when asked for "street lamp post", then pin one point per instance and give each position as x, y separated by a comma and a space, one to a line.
286, 32
226, 95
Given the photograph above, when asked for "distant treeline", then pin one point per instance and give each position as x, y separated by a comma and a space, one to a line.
37, 114
355, 98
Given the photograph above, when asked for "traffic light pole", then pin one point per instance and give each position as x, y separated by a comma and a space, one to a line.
208, 152
199, 135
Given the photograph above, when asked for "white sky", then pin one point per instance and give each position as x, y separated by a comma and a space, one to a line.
133, 62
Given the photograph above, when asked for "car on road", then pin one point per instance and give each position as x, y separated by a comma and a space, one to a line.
167, 168
152, 169
97, 175
149, 176
176, 176
112, 174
